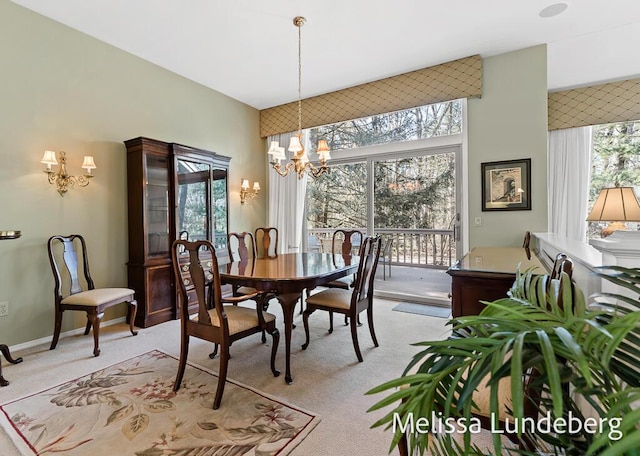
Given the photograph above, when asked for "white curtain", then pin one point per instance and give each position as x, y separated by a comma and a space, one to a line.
286, 202
569, 176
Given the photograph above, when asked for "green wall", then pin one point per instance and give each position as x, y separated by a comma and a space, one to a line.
63, 90
509, 122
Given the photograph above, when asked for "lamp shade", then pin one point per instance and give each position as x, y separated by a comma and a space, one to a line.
49, 158
256, 186
244, 184
276, 152
295, 145
323, 149
88, 163
616, 204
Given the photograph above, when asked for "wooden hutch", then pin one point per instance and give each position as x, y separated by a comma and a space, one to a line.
173, 191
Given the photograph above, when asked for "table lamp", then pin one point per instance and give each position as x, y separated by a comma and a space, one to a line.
617, 205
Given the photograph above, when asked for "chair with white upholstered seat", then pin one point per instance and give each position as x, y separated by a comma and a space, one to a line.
87, 299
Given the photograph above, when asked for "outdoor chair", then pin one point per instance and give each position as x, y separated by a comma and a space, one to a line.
196, 272
86, 298
385, 257
350, 302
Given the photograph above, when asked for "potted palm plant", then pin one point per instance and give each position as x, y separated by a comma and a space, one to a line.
581, 354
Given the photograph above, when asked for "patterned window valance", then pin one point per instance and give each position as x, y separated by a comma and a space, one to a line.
448, 81
594, 105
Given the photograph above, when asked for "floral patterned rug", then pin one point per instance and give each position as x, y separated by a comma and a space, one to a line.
131, 409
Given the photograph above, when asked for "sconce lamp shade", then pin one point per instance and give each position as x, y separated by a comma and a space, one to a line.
256, 186
617, 204
49, 158
244, 184
88, 163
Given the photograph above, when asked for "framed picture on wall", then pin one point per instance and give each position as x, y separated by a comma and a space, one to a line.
506, 185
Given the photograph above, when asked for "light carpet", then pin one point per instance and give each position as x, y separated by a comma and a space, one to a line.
131, 408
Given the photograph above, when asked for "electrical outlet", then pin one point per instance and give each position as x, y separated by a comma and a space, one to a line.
477, 221
4, 309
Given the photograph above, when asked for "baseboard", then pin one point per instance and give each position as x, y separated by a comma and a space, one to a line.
72, 332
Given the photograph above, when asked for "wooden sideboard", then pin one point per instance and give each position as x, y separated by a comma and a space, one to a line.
486, 274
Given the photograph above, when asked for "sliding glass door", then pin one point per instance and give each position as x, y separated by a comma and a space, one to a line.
411, 197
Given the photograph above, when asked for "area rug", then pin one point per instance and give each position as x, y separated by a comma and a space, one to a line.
423, 309
130, 408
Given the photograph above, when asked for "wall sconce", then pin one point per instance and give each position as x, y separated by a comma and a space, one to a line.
61, 179
245, 192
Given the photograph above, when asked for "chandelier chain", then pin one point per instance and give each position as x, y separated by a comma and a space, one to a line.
300, 163
299, 25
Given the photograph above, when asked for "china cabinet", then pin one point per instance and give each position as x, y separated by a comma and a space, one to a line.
173, 191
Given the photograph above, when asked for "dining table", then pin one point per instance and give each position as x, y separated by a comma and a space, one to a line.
287, 275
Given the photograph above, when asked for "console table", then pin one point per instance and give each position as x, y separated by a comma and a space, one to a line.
486, 274
5, 235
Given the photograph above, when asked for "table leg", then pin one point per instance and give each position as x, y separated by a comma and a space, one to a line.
288, 302
5, 351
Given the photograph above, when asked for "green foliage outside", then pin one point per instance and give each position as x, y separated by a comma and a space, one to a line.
616, 159
412, 193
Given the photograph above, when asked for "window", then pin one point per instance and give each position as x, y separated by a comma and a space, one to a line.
408, 125
615, 159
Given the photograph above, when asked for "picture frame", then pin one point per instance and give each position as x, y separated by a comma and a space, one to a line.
506, 185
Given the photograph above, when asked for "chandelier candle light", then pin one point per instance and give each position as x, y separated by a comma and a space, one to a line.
300, 160
61, 179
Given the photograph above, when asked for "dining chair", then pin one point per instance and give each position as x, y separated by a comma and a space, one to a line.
196, 272
266, 242
350, 302
342, 242
85, 298
527, 240
242, 246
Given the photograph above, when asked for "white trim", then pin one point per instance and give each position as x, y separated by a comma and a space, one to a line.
72, 332
397, 147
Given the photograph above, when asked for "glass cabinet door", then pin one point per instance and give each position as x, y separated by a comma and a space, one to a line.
220, 209
157, 205
193, 213
201, 203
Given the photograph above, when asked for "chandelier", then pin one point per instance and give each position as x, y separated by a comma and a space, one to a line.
300, 160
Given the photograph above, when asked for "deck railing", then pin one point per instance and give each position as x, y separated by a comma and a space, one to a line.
420, 248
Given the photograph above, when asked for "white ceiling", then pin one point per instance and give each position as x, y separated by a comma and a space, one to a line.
247, 49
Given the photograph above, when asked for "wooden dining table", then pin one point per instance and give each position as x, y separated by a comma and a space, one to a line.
287, 275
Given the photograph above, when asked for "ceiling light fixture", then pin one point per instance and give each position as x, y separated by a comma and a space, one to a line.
300, 160
553, 10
